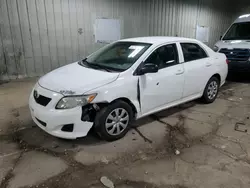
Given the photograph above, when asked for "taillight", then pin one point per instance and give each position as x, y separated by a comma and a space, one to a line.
227, 61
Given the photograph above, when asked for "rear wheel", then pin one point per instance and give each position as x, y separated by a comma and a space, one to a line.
113, 121
211, 90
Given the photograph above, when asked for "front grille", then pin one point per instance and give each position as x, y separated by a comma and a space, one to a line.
40, 99
41, 122
236, 54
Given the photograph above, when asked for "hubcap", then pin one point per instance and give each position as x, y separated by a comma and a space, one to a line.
117, 121
212, 90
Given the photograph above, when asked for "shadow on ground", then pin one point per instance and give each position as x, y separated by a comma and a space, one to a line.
239, 77
32, 137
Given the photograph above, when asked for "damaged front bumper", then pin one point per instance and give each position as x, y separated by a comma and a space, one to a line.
67, 124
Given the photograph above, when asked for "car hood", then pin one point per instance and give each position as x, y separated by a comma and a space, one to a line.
234, 44
74, 79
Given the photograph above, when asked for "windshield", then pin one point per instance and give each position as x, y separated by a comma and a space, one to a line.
238, 31
118, 56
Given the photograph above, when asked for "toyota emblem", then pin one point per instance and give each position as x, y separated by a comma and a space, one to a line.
36, 95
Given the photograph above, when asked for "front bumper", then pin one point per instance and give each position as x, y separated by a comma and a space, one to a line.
53, 120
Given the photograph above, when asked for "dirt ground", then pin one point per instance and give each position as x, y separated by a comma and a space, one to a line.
189, 146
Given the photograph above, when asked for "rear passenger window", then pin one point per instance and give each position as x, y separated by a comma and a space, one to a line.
192, 52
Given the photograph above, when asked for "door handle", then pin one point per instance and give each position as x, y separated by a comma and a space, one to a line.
208, 64
179, 72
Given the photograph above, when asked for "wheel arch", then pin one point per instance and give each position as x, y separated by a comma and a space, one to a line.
130, 103
217, 75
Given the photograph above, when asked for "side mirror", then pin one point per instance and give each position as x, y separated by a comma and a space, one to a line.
148, 68
220, 37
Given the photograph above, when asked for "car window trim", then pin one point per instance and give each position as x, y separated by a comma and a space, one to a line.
159, 46
196, 44
178, 59
133, 42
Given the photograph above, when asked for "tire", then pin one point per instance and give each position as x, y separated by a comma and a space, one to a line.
211, 90
107, 121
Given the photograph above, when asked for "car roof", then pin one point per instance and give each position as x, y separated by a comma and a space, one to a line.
243, 18
158, 39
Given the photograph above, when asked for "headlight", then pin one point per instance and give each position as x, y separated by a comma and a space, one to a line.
216, 48
74, 101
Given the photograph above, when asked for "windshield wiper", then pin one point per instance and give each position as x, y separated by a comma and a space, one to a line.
99, 66
94, 65
83, 62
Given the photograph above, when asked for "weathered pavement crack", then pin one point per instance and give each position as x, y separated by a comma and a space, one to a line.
10, 174
228, 154
173, 131
233, 141
141, 135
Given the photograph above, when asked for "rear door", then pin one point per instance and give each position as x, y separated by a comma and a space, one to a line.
198, 68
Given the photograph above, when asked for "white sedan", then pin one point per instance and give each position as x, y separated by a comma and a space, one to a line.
125, 81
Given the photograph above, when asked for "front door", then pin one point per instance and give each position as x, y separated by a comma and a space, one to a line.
166, 86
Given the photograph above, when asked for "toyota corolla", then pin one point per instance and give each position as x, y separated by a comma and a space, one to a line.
125, 81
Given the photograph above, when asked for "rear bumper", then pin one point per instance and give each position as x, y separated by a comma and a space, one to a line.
239, 67
52, 120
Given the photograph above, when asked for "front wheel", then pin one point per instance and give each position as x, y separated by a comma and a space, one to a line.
113, 121
211, 90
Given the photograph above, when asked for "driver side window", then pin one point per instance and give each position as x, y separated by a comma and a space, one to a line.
164, 56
